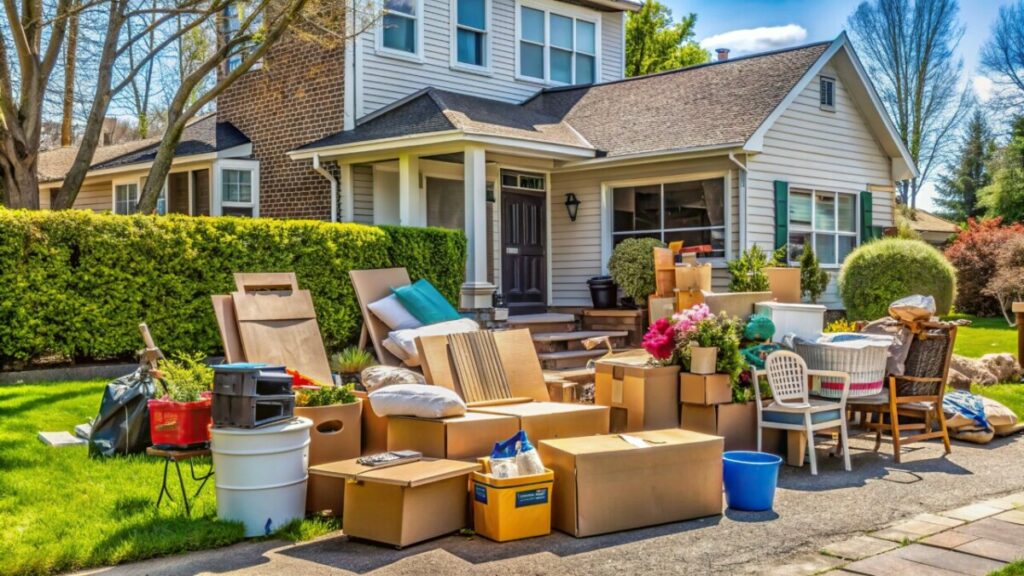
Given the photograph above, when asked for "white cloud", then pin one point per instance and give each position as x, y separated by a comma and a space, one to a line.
983, 88
751, 40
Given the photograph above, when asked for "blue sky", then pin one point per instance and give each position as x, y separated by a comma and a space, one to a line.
794, 22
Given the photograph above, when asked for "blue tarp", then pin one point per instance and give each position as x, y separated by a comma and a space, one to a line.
967, 405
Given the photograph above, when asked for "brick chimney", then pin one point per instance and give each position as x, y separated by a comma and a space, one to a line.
723, 54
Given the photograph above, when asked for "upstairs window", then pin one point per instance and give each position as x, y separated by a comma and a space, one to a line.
557, 48
400, 25
235, 13
471, 32
828, 93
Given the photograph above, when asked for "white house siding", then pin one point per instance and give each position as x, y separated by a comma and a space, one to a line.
382, 79
576, 252
813, 148
362, 197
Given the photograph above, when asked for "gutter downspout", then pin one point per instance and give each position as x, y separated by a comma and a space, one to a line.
334, 185
742, 169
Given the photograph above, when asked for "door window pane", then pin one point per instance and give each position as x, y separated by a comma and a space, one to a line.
472, 13
533, 25
585, 37
800, 209
561, 66
847, 213
561, 32
584, 69
470, 47
400, 33
531, 60
825, 212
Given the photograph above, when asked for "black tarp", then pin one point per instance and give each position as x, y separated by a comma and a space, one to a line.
122, 426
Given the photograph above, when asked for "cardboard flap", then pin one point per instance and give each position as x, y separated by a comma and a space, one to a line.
266, 281
273, 306
411, 475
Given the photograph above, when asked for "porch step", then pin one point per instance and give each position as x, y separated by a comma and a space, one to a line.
565, 341
568, 358
543, 323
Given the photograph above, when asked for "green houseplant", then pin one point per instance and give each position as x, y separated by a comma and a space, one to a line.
350, 363
813, 280
632, 267
747, 272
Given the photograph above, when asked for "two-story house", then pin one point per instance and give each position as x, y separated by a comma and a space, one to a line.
511, 120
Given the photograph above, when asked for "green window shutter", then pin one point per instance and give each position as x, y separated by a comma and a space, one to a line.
781, 213
867, 230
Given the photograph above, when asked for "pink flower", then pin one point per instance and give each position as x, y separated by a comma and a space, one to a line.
660, 340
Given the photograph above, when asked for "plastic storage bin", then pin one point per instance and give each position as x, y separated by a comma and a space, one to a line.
248, 379
805, 320
507, 509
179, 424
750, 479
251, 411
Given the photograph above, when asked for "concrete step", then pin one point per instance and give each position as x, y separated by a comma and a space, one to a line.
573, 340
568, 358
543, 323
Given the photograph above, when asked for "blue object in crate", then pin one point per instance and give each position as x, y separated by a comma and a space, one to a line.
750, 479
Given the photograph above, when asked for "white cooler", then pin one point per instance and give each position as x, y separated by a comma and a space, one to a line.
805, 320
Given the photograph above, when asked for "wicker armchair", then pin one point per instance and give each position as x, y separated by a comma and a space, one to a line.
917, 394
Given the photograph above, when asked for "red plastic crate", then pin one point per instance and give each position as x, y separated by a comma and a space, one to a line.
180, 424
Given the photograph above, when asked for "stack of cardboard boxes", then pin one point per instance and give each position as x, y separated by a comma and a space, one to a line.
677, 286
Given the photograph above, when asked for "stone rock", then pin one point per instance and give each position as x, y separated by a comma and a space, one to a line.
1003, 366
973, 370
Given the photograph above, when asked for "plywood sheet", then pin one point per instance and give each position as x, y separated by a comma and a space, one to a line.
282, 329
224, 311
266, 281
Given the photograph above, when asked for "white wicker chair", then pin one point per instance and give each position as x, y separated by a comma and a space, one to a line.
792, 407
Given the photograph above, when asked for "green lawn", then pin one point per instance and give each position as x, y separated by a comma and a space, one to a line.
984, 336
1011, 569
61, 510
1009, 395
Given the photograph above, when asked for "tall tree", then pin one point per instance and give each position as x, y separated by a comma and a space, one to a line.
909, 48
70, 59
654, 42
1005, 195
968, 173
1002, 57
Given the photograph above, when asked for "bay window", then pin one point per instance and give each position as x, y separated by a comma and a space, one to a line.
691, 211
557, 48
825, 220
471, 32
401, 26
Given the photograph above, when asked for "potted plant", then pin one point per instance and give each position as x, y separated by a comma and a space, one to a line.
350, 363
674, 340
180, 415
335, 412
632, 267
747, 272
813, 280
783, 281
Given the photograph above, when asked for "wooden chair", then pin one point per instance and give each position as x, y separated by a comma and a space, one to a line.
917, 394
792, 407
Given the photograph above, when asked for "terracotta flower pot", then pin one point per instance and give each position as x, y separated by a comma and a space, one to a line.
703, 360
784, 284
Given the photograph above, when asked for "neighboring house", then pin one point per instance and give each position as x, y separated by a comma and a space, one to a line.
933, 229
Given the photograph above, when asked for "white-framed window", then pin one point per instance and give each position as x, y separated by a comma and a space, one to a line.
126, 198
470, 39
691, 211
534, 182
234, 14
827, 93
236, 188
400, 30
556, 47
825, 220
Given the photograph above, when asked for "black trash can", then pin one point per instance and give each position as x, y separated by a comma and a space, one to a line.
603, 292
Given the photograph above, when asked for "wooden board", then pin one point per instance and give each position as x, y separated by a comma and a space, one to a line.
266, 281
370, 286
282, 329
224, 311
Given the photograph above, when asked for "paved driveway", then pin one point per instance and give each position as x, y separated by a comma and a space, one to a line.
810, 513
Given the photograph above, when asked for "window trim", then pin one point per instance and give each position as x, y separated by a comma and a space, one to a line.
382, 50
822, 81
454, 62
217, 203
560, 9
814, 231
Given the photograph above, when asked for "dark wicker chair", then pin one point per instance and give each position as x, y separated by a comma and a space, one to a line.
915, 395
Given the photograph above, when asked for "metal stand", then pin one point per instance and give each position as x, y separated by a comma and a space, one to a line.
177, 456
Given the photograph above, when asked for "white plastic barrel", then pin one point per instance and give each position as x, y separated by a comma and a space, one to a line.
261, 474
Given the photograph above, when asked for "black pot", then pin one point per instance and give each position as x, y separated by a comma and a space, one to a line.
603, 292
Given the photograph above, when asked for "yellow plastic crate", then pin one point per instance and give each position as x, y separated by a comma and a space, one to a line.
512, 508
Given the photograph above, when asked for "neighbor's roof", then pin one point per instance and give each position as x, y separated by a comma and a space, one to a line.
927, 222
714, 104
433, 110
203, 136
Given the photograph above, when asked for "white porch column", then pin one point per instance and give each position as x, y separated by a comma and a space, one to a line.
347, 193
410, 210
476, 291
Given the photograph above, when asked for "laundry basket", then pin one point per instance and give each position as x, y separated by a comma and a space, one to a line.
862, 356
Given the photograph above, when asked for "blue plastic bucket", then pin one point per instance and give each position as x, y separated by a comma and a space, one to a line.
750, 479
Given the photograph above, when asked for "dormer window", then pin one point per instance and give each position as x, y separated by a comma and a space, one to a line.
557, 48
828, 93
471, 33
401, 26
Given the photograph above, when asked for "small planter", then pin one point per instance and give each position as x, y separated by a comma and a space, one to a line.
784, 284
703, 360
180, 424
336, 433
750, 479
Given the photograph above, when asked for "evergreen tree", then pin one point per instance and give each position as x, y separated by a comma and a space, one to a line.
655, 43
958, 188
1005, 195
813, 280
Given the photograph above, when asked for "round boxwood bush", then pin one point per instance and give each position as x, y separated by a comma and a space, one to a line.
632, 267
880, 272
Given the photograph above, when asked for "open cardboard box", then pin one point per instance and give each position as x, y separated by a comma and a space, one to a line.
465, 437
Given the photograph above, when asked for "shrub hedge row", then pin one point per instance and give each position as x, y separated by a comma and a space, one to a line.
75, 285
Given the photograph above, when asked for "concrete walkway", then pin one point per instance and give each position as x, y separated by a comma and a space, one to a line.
973, 540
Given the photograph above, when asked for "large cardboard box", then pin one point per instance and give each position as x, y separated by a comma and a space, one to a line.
736, 422
466, 437
705, 389
605, 484
647, 394
336, 435
546, 420
404, 504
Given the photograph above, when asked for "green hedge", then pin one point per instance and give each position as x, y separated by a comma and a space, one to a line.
75, 285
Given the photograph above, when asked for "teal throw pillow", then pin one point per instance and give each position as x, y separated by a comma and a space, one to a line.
424, 302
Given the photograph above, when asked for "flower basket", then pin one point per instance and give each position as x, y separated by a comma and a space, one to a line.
703, 359
180, 424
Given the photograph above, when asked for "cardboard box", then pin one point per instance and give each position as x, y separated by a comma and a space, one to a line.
705, 389
659, 307
325, 495
466, 437
693, 278
546, 420
686, 299
648, 395
374, 428
404, 504
605, 484
563, 391
737, 423
507, 509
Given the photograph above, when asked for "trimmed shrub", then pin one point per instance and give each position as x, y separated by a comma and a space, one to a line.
632, 267
880, 272
975, 255
75, 284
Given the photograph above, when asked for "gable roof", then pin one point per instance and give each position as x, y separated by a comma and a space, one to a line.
923, 221
203, 136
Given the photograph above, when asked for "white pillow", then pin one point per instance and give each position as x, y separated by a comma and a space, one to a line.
420, 400
391, 312
406, 339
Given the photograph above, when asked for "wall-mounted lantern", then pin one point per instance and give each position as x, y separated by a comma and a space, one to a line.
572, 205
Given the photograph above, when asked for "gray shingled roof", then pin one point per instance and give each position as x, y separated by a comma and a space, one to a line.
434, 110
712, 104
201, 137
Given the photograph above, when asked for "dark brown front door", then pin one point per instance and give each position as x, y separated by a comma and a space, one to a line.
523, 255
